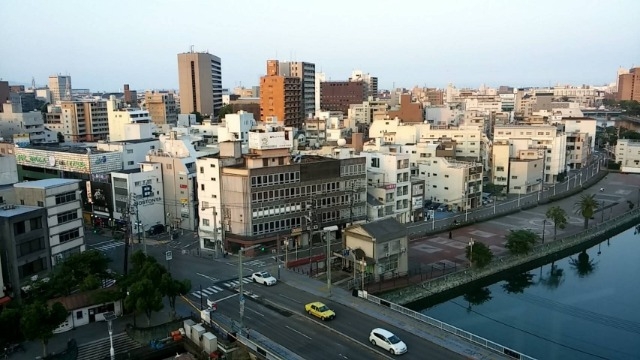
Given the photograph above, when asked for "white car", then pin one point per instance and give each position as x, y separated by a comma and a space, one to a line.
386, 340
264, 278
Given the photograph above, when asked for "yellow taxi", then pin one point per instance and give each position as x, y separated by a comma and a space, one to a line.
319, 310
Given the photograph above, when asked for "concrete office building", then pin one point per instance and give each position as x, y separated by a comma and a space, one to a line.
130, 96
60, 87
141, 191
24, 249
628, 155
320, 78
161, 107
629, 85
14, 122
280, 96
63, 202
339, 95
306, 72
266, 196
4, 93
388, 180
371, 82
200, 83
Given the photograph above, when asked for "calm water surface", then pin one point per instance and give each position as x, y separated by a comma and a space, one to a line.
586, 306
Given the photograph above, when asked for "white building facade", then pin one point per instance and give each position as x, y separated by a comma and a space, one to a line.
389, 181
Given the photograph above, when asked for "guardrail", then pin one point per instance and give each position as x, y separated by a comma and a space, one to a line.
586, 177
488, 344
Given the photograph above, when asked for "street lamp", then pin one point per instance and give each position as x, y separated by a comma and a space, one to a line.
109, 317
544, 225
286, 253
471, 242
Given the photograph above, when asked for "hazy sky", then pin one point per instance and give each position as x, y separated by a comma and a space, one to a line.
104, 44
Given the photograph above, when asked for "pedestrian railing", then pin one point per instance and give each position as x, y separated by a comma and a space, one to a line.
488, 344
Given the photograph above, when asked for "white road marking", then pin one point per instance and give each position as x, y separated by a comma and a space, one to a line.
250, 309
208, 277
292, 299
296, 331
196, 294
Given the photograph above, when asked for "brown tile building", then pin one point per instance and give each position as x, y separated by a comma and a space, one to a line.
339, 95
409, 112
629, 85
280, 96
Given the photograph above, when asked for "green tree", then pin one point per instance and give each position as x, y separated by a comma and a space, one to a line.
173, 288
227, 109
493, 189
586, 206
521, 241
38, 321
145, 297
481, 256
83, 271
199, 117
10, 324
60, 137
559, 218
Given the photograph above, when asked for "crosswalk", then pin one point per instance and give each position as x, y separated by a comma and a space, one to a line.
205, 292
106, 245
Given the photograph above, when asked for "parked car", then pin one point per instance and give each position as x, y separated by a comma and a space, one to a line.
319, 310
155, 229
388, 341
443, 207
264, 278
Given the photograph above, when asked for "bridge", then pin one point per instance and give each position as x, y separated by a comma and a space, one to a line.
601, 113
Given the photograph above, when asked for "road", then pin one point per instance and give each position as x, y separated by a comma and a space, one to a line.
279, 314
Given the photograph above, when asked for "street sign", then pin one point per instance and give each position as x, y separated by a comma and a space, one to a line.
242, 298
169, 255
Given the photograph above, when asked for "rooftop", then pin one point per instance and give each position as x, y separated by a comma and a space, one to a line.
7, 211
67, 149
385, 230
46, 183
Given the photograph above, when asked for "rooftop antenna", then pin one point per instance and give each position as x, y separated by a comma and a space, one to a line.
191, 48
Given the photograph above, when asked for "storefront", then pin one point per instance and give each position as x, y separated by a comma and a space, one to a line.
94, 167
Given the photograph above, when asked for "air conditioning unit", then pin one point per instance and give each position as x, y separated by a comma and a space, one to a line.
315, 227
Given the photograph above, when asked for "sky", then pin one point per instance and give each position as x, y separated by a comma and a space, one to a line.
105, 44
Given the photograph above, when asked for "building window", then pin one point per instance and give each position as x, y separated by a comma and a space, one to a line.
202, 187
69, 235
30, 246
205, 222
129, 162
201, 169
129, 151
32, 268
35, 223
514, 177
375, 162
65, 198
19, 228
79, 314
213, 165
67, 216
499, 168
40, 203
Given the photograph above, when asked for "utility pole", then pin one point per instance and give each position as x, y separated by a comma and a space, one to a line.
127, 233
240, 275
326, 238
215, 230
352, 200
139, 227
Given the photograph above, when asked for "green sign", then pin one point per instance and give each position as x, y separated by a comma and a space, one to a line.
32, 159
76, 164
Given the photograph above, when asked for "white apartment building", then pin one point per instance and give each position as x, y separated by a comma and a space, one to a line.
81, 121
582, 125
525, 172
367, 112
178, 158
450, 114
524, 137
628, 155
62, 199
235, 127
320, 78
133, 151
142, 192
484, 104
455, 183
389, 181
15, 122
211, 211
127, 123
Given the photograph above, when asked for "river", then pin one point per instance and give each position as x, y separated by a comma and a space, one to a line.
585, 306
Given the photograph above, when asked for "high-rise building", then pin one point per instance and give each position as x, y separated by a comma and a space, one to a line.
4, 93
629, 85
320, 78
280, 96
200, 83
60, 86
80, 121
306, 72
371, 82
339, 95
161, 107
130, 96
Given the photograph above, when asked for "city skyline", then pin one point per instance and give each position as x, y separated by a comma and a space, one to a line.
105, 45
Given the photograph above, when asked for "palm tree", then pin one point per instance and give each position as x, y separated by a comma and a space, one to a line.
586, 206
559, 218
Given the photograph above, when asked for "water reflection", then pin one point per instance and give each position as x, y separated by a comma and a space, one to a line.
553, 278
516, 284
477, 296
583, 265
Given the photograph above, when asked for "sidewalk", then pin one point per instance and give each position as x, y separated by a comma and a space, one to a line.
389, 316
